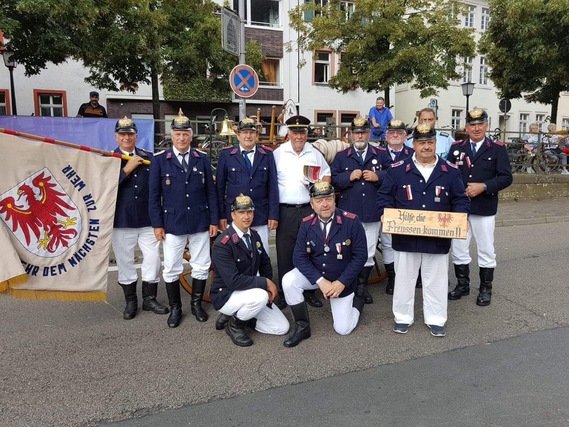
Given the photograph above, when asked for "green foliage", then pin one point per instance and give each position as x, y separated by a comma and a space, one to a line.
387, 42
526, 47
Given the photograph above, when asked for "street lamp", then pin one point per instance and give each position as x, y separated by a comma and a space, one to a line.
467, 89
11, 64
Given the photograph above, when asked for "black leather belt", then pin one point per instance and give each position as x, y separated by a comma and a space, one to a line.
304, 205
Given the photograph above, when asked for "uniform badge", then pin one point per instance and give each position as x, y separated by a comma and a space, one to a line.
168, 182
438, 189
326, 248
339, 250
374, 161
258, 245
348, 242
455, 153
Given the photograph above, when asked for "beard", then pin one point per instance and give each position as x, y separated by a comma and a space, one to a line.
360, 145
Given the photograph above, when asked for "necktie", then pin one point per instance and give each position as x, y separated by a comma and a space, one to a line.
473, 149
184, 162
247, 160
396, 155
247, 238
361, 156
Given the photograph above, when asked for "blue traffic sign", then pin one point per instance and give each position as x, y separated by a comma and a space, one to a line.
244, 81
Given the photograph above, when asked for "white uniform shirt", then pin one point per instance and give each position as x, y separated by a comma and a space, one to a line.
293, 185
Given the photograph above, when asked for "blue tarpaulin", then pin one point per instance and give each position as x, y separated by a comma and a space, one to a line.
91, 132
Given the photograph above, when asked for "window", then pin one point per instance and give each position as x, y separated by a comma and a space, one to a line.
540, 119
565, 124
325, 119
483, 78
469, 17
485, 19
348, 8
467, 70
322, 67
50, 103
523, 125
4, 110
260, 12
346, 119
456, 119
271, 72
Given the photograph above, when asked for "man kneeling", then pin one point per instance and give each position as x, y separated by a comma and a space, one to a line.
243, 290
330, 252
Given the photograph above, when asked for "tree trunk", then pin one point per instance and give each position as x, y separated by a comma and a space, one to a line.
554, 108
155, 105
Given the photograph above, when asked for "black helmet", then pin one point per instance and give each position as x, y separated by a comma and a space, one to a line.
396, 125
125, 125
321, 189
181, 122
424, 131
477, 115
242, 203
360, 125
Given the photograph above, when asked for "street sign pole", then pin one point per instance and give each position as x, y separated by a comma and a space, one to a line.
242, 102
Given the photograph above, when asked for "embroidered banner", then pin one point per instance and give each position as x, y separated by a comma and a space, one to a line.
57, 207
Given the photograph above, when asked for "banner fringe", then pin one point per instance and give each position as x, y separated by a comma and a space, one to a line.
13, 281
58, 295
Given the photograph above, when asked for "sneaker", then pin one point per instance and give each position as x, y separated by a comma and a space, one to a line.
565, 172
437, 331
400, 328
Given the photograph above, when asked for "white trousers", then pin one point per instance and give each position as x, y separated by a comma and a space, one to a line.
372, 234
387, 252
263, 231
344, 315
252, 303
174, 254
434, 275
124, 242
482, 228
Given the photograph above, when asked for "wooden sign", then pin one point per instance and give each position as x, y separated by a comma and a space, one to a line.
447, 225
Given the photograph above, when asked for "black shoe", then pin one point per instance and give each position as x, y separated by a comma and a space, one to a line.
484, 297
462, 289
311, 299
175, 317
486, 278
301, 332
222, 321
131, 307
458, 292
149, 302
235, 328
198, 288
368, 299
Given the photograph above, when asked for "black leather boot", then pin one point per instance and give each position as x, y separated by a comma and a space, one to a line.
149, 303
301, 325
131, 301
198, 288
359, 303
236, 331
361, 290
311, 298
462, 289
390, 268
173, 291
486, 278
222, 321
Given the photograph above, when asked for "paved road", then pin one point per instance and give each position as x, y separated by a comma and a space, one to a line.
80, 364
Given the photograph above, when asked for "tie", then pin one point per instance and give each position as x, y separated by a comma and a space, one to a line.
247, 161
396, 155
184, 162
247, 241
361, 156
473, 145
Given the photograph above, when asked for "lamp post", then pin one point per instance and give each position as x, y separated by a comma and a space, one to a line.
11, 64
467, 89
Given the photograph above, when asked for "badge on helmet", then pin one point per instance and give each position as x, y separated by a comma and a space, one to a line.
477, 115
360, 125
242, 203
321, 189
125, 125
181, 122
396, 125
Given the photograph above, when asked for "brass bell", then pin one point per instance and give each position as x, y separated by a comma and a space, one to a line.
227, 128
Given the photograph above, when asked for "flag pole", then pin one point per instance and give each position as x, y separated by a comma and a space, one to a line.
70, 145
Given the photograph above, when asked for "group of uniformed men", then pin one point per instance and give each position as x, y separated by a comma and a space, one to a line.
292, 190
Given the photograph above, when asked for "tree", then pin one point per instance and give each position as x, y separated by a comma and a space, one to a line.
387, 42
526, 47
124, 42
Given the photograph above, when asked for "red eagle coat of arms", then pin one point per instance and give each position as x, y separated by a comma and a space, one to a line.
41, 215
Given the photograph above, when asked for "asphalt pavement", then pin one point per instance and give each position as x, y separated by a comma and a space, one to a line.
80, 364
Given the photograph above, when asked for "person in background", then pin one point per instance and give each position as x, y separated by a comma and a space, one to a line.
444, 139
132, 225
379, 117
92, 108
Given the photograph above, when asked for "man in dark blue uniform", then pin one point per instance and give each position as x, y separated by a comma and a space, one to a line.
485, 169
183, 206
250, 170
329, 254
132, 224
243, 288
356, 174
422, 182
397, 151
